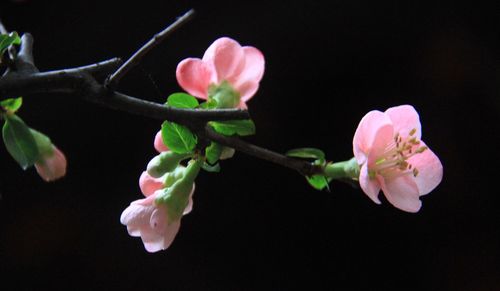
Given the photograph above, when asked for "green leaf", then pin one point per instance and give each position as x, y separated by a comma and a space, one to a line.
182, 100
213, 152
318, 182
211, 169
12, 104
232, 127
8, 40
178, 138
19, 141
307, 153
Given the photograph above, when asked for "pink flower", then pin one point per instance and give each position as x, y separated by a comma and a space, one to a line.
392, 157
146, 219
51, 166
158, 143
225, 60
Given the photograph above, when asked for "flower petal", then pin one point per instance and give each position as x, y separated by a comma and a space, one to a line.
430, 170
189, 207
154, 241
227, 57
405, 118
370, 187
249, 78
136, 217
195, 76
247, 90
366, 132
149, 184
159, 144
402, 192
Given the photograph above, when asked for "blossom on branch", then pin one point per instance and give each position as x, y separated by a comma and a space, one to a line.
393, 159
227, 72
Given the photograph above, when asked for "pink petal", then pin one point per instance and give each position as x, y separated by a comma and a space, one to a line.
365, 133
189, 207
227, 57
158, 143
136, 217
402, 192
195, 76
405, 118
149, 184
370, 187
52, 167
154, 241
247, 90
251, 74
383, 137
430, 170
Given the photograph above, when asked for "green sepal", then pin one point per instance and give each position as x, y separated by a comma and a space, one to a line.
210, 104
43, 142
307, 153
11, 105
19, 141
213, 152
224, 95
182, 100
176, 197
165, 162
178, 138
211, 168
318, 182
234, 127
8, 40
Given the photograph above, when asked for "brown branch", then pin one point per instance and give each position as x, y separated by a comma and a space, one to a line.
303, 167
136, 58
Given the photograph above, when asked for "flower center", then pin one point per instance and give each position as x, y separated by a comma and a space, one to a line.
393, 161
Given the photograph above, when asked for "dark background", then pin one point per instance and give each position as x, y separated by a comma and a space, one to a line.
258, 226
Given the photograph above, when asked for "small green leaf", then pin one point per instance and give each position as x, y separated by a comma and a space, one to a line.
8, 40
211, 169
307, 153
318, 182
178, 138
213, 152
232, 127
182, 100
19, 141
11, 105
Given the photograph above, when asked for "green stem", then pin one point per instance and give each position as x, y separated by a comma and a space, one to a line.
341, 170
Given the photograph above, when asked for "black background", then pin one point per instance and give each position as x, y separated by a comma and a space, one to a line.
258, 226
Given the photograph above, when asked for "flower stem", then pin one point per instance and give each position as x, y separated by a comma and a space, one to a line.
342, 170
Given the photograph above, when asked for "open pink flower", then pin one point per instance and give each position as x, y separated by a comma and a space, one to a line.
225, 60
392, 157
146, 219
51, 166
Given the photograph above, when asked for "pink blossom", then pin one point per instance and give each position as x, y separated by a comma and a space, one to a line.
392, 157
146, 219
149, 184
51, 166
225, 60
158, 143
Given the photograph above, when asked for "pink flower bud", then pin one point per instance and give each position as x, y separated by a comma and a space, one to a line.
51, 166
149, 184
158, 143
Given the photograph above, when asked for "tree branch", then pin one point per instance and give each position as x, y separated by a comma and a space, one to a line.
136, 58
303, 167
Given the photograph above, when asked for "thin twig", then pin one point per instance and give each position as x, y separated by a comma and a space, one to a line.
303, 167
113, 80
